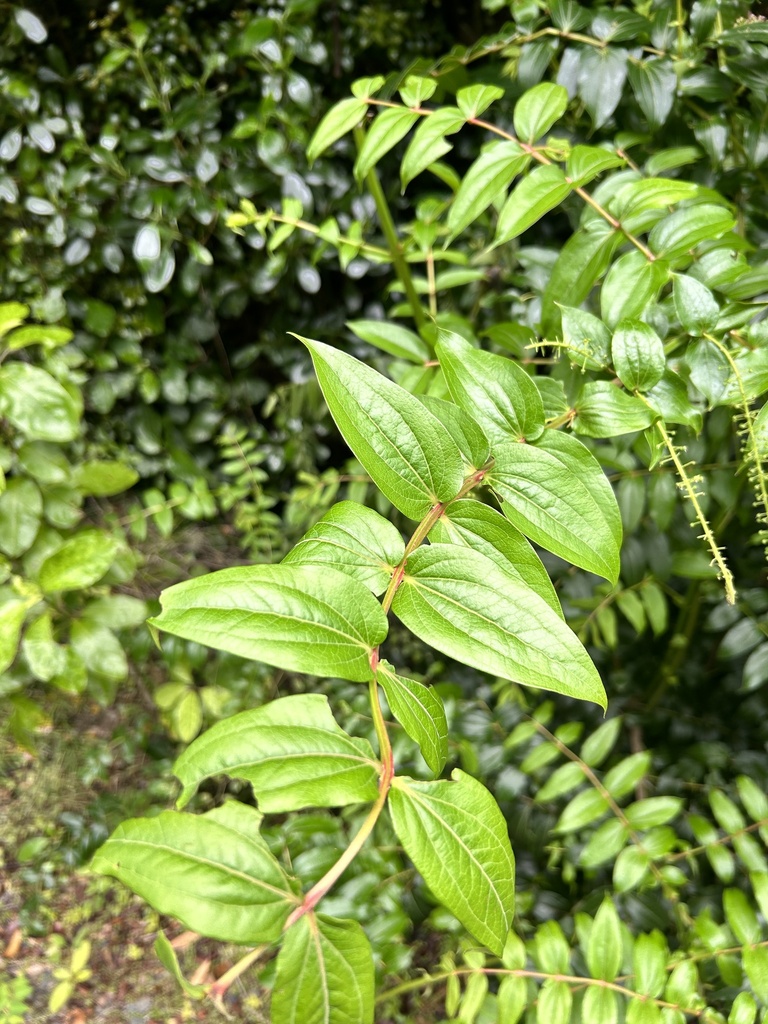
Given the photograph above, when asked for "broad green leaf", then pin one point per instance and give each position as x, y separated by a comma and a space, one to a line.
364, 88
393, 338
355, 540
727, 814
654, 84
653, 811
604, 844
99, 650
512, 998
473, 100
292, 752
324, 974
646, 1013
600, 1006
117, 611
754, 30
605, 949
409, 454
683, 984
627, 774
602, 72
551, 948
80, 562
460, 602
741, 917
538, 193
649, 962
457, 837
696, 306
12, 615
104, 478
598, 746
476, 525
641, 204
166, 954
586, 807
45, 657
492, 388
305, 618
753, 797
389, 127
670, 398
21, 509
638, 355
585, 162
630, 868
743, 1010
339, 120
50, 336
37, 405
582, 261
680, 232
428, 143
751, 377
11, 315
567, 777
538, 109
756, 966
604, 410
630, 284
555, 1002
669, 159
465, 431
420, 712
416, 89
587, 339
709, 369
488, 176
557, 494
218, 878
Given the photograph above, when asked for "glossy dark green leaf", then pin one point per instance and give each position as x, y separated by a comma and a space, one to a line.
538, 109
676, 235
587, 339
709, 369
696, 306
559, 497
654, 83
393, 338
355, 540
445, 599
213, 872
409, 454
493, 388
420, 712
306, 618
670, 399
638, 355
630, 284
389, 127
498, 164
604, 410
465, 431
339, 120
538, 193
582, 262
602, 73
478, 526
324, 974
291, 751
457, 837
37, 405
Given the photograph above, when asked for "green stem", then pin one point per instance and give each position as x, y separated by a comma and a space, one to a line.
390, 233
304, 225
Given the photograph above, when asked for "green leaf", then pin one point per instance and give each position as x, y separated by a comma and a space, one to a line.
676, 235
566, 778
428, 143
420, 712
99, 650
756, 966
743, 1010
654, 83
465, 431
582, 261
604, 844
538, 193
624, 776
80, 562
50, 336
604, 410
598, 746
21, 509
559, 497
364, 88
587, 339
104, 478
586, 807
389, 127
638, 355
355, 540
339, 120
631, 283
741, 917
416, 89
753, 797
472, 100
493, 388
324, 974
551, 947
585, 162
212, 872
166, 954
696, 306
45, 657
727, 814
605, 948
512, 999
408, 453
630, 868
653, 811
601, 80
488, 176
12, 615
292, 752
600, 1006
398, 341
709, 369
478, 526
555, 1002
538, 109
305, 618
37, 405
463, 604
11, 315
670, 399
457, 837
